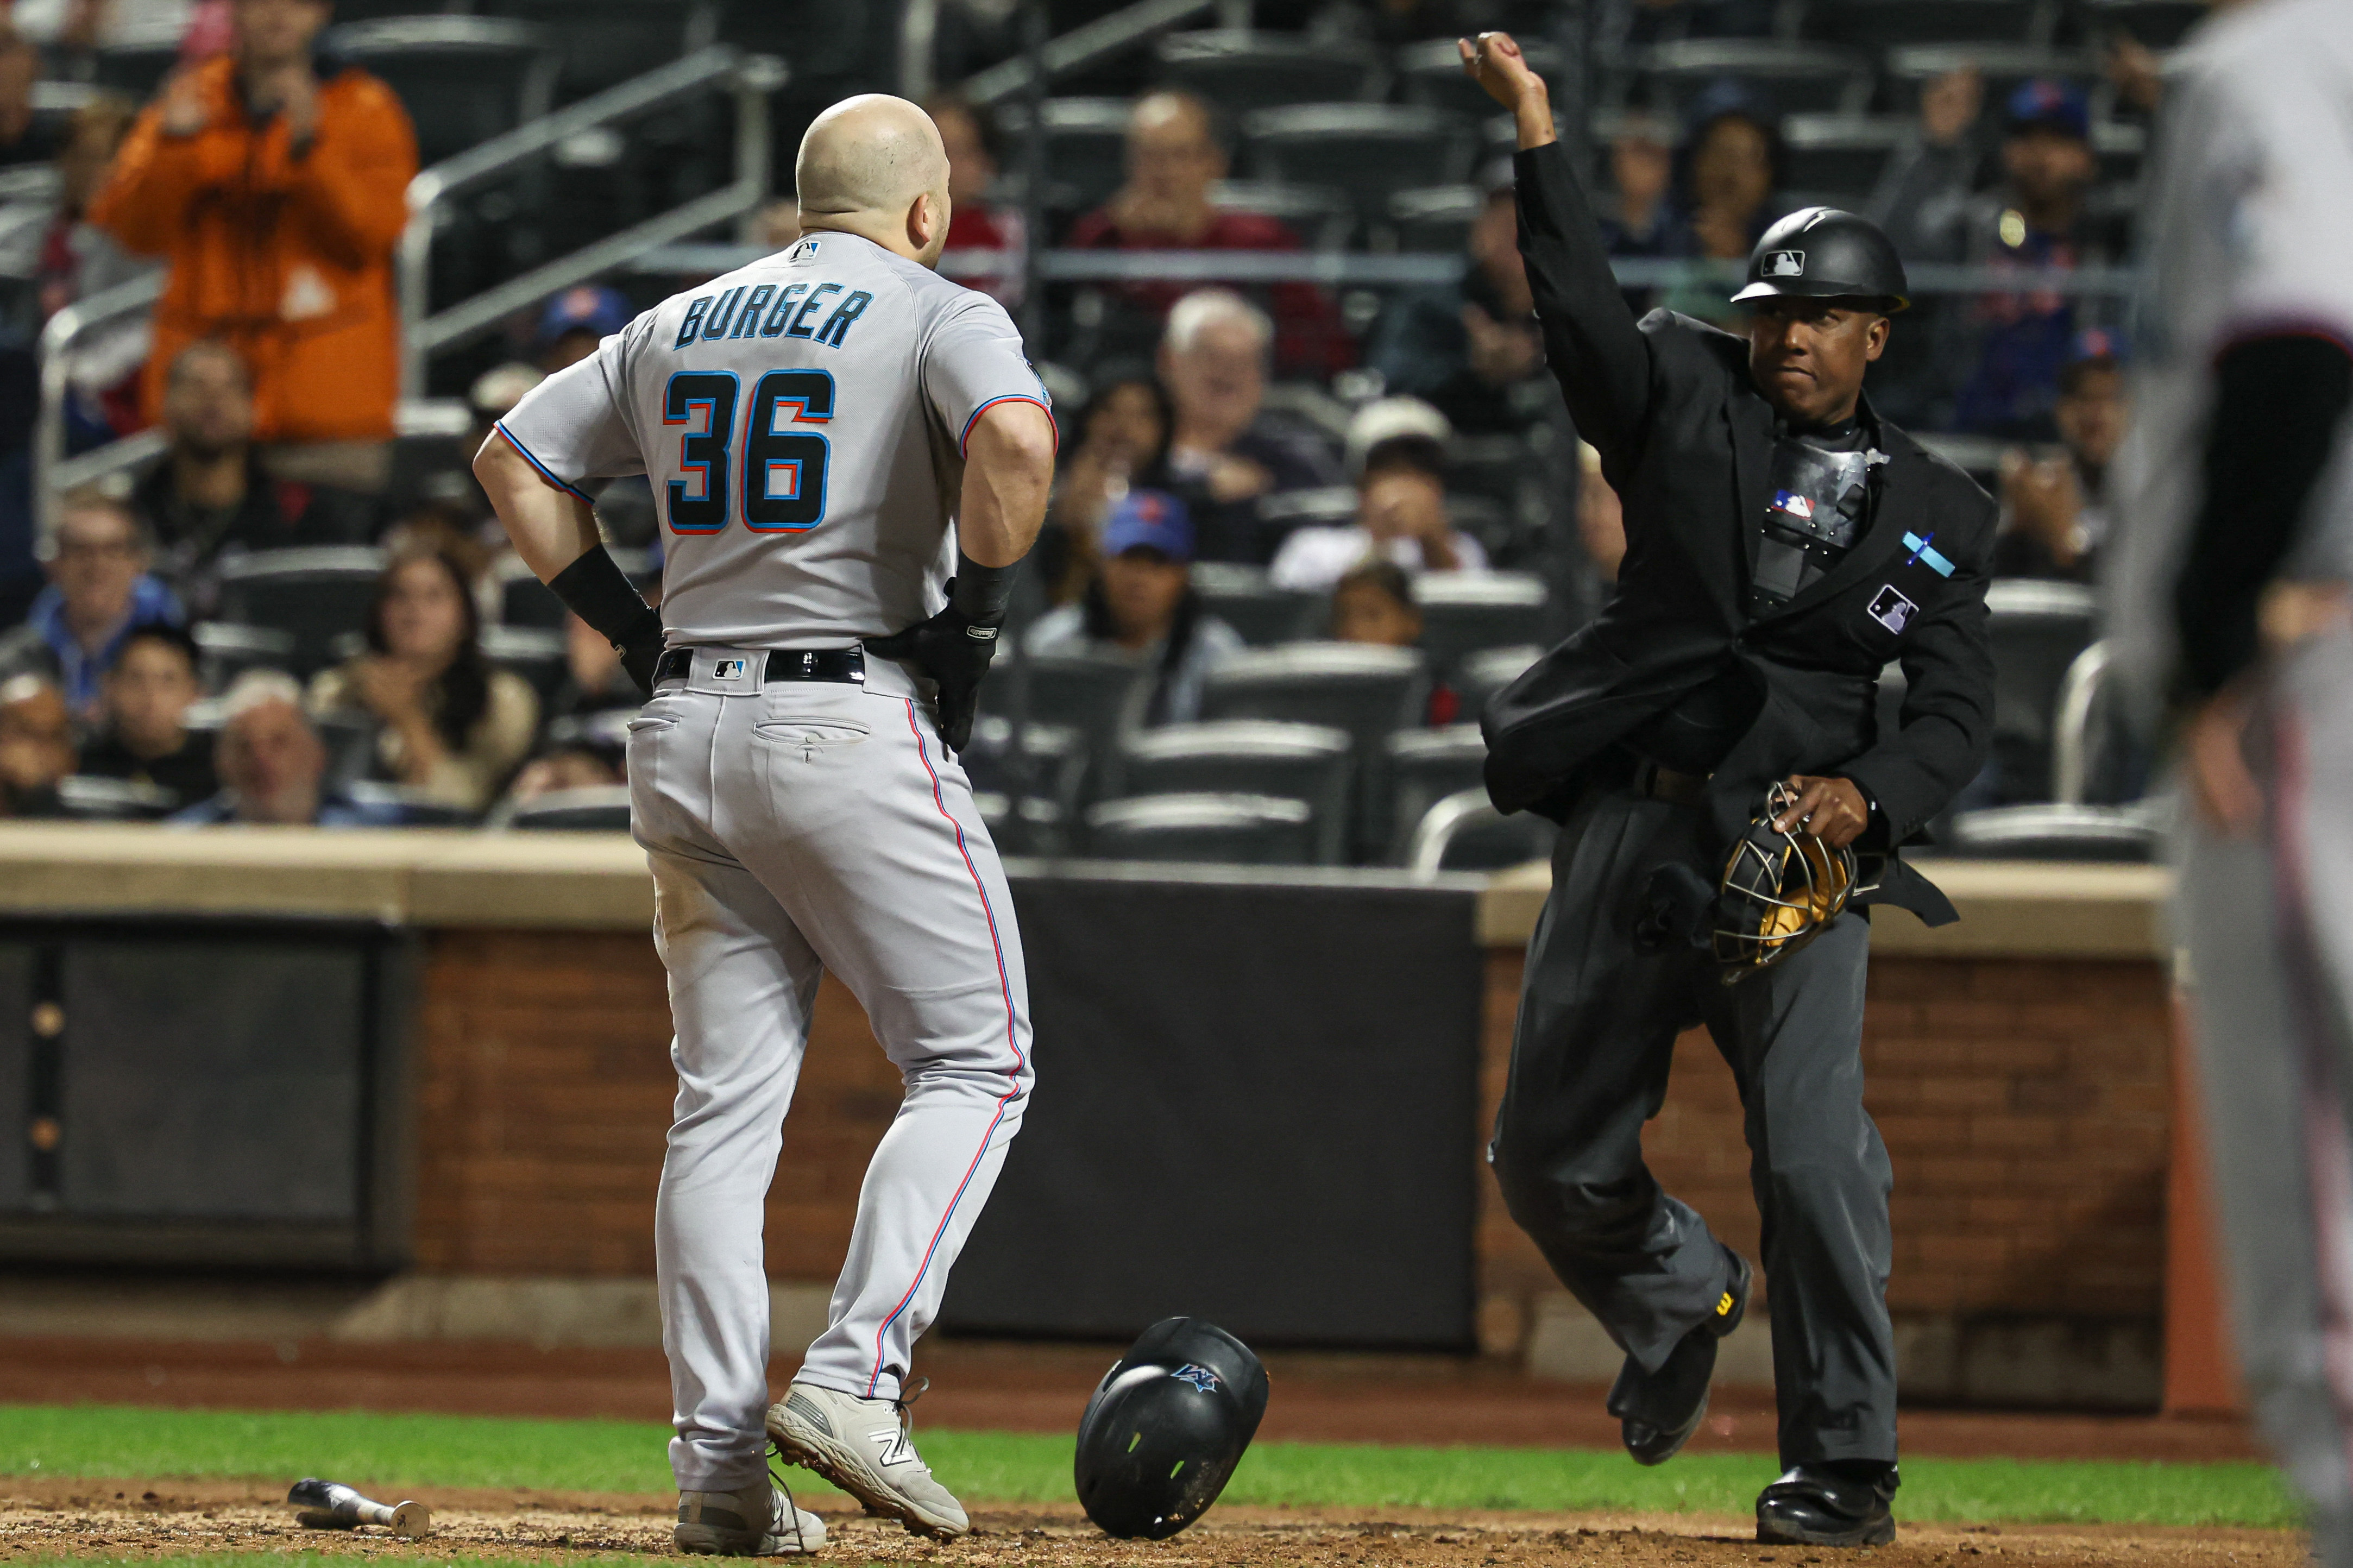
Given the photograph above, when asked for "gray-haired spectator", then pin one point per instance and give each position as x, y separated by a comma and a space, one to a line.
272, 765
100, 591
1227, 452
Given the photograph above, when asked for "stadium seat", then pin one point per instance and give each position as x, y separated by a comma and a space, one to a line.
86, 798
1434, 218
1463, 613
1836, 159
464, 79
317, 595
2095, 758
1243, 598
598, 808
228, 650
1481, 675
1812, 77
1322, 219
1306, 762
2048, 832
136, 67
2159, 24
2122, 145
1098, 696
1464, 832
1425, 766
1232, 829
520, 599
1086, 148
2003, 66
1431, 73
1281, 511
1239, 70
2038, 629
605, 42
1040, 792
411, 807
1890, 24
533, 652
1365, 151
1368, 691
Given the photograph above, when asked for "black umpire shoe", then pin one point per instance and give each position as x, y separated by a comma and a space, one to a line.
1842, 1502
1658, 1411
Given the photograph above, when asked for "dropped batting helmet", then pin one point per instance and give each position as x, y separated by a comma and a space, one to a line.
1166, 1428
1822, 253
1779, 891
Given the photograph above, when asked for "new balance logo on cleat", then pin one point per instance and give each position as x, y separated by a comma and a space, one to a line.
896, 1449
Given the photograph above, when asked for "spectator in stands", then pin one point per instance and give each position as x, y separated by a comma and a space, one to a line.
1641, 218
24, 139
37, 747
1122, 444
2055, 508
277, 194
209, 496
272, 765
1731, 161
594, 680
451, 725
573, 321
969, 133
1227, 452
1142, 606
1174, 160
100, 591
1473, 350
1400, 514
2001, 354
146, 738
576, 757
1373, 603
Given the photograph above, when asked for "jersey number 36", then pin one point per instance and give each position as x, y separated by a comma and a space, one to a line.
781, 483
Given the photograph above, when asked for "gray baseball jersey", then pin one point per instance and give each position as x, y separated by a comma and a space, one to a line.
803, 421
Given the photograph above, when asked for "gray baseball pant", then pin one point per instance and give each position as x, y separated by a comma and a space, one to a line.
1589, 1060
2269, 933
794, 828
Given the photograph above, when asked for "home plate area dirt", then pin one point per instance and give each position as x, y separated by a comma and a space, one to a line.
133, 1519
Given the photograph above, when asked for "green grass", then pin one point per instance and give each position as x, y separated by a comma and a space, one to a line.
400, 1451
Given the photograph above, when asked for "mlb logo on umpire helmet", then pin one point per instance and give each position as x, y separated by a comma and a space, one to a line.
1784, 264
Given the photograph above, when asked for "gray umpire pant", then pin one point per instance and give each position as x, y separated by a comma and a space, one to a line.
1589, 1061
2269, 932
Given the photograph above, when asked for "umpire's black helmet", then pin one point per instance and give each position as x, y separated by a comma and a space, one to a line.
1166, 1428
1822, 253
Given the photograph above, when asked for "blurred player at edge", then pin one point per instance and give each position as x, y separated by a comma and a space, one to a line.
815, 423
2229, 604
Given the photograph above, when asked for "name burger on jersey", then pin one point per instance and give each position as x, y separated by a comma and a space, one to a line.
769, 312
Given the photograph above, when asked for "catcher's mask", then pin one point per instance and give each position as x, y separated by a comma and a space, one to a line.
1779, 891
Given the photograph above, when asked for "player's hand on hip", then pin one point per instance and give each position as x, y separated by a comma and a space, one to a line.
954, 651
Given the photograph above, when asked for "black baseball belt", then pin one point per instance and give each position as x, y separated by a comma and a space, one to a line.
841, 664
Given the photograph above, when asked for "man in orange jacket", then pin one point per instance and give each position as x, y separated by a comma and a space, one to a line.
276, 185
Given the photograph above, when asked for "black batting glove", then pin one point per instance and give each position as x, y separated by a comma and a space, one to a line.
640, 652
954, 651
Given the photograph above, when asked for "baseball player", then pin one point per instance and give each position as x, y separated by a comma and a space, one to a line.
814, 423
2229, 604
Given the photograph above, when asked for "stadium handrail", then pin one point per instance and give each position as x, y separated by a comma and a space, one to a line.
753, 78
1093, 42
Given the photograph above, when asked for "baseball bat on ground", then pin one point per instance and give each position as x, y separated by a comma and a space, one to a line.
331, 1505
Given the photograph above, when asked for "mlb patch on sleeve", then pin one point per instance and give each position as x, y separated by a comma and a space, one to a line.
1892, 609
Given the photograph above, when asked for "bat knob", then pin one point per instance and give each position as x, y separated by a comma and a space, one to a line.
412, 1518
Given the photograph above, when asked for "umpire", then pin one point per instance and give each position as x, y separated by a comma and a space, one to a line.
1783, 543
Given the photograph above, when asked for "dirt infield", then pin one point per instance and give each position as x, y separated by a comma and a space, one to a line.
165, 1518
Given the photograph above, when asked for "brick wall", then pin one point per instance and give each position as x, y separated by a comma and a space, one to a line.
544, 1088
2024, 1105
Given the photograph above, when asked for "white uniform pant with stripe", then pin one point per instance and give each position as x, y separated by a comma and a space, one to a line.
794, 828
2269, 926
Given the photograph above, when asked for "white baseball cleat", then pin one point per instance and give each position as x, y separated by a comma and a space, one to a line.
760, 1521
865, 1448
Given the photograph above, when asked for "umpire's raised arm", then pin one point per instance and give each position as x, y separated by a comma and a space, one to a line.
1602, 361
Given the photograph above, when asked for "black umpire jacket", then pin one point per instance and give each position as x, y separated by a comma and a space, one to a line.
1686, 441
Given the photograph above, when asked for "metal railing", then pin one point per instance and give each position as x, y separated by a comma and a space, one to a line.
1129, 27
751, 77
52, 475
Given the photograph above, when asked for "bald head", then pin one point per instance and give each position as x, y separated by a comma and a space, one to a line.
875, 165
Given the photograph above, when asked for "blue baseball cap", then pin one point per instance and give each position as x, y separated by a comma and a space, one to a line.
2048, 102
585, 309
1153, 518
